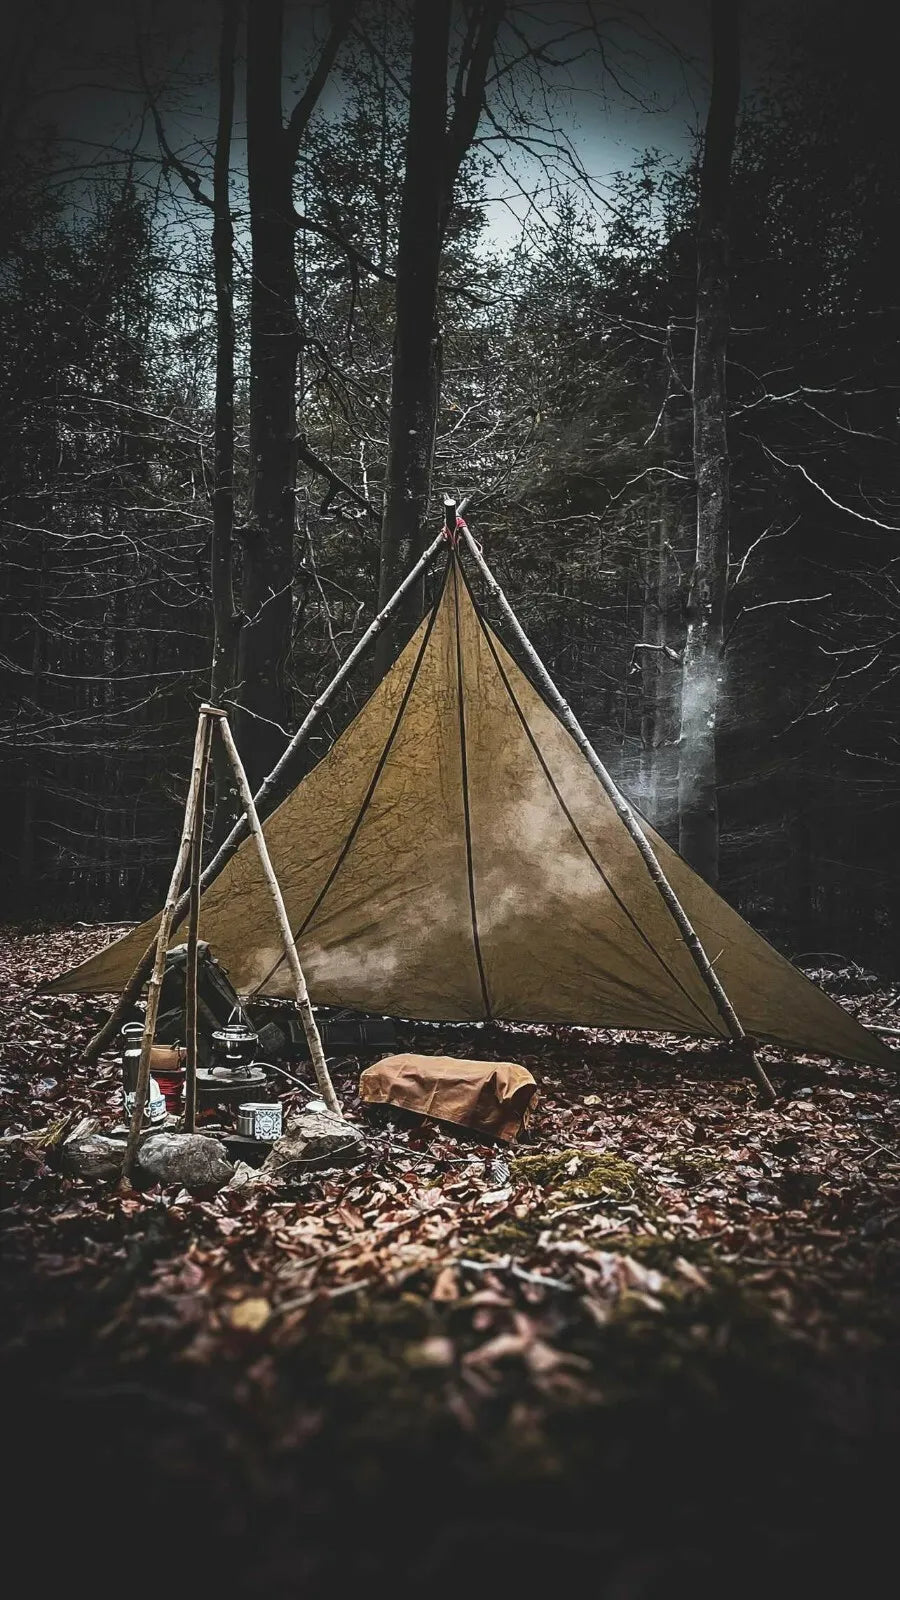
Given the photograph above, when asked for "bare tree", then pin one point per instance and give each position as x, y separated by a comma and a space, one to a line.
268, 539
698, 805
225, 621
435, 150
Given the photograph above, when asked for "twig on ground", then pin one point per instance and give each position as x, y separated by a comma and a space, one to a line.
506, 1264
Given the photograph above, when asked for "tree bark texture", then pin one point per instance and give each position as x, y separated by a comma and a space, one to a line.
415, 369
666, 637
268, 541
225, 622
702, 671
435, 150
650, 671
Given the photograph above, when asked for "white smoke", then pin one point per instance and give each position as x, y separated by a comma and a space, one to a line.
532, 855
701, 697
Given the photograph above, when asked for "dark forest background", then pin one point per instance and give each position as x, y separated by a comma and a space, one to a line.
564, 409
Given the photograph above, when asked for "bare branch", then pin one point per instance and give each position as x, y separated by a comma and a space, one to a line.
298, 121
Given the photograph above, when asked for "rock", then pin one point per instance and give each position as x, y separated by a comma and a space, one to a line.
315, 1138
92, 1155
247, 1177
193, 1160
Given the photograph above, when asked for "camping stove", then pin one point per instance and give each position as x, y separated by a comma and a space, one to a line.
234, 1048
233, 1070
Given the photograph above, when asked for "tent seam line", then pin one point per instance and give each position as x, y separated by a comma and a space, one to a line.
464, 761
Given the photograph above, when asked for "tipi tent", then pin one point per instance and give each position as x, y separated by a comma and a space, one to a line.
454, 857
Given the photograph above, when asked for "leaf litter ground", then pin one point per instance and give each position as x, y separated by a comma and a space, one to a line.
654, 1343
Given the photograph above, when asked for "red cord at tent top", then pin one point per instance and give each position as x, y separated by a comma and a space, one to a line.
452, 534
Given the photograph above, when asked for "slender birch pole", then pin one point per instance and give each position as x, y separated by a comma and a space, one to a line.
301, 994
627, 816
190, 966
264, 796
161, 947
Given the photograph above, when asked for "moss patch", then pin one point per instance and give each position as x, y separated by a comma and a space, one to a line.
506, 1236
696, 1166
661, 1252
573, 1175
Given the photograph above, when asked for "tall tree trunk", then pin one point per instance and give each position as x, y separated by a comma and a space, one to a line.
268, 555
698, 806
651, 667
434, 153
225, 622
415, 370
268, 545
667, 718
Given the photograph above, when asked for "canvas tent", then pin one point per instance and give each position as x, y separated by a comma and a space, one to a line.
454, 857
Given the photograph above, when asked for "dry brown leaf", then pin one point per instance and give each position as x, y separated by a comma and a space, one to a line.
435, 1352
250, 1315
446, 1285
692, 1274
505, 1344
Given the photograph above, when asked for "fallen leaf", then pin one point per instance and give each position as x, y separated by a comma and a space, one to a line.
250, 1315
692, 1274
446, 1285
435, 1352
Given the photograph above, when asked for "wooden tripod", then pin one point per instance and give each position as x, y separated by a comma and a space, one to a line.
190, 851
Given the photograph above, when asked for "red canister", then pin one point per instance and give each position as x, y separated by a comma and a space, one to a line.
167, 1066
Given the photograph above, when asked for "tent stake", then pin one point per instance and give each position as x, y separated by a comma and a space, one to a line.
160, 948
741, 1043
265, 794
190, 966
313, 1039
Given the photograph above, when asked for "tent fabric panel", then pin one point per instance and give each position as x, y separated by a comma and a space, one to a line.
394, 931
774, 1000
570, 922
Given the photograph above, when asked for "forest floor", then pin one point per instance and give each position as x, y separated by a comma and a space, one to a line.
653, 1347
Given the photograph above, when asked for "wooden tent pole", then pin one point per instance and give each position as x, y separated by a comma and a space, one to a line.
262, 799
627, 816
313, 1039
160, 949
190, 967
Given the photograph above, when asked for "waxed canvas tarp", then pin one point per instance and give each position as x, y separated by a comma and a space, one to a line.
491, 1097
453, 857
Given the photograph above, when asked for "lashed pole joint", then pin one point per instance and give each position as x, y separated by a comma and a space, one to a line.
743, 1046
